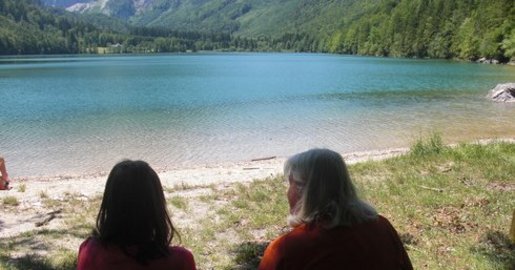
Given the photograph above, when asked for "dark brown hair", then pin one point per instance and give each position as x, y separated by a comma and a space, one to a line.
133, 214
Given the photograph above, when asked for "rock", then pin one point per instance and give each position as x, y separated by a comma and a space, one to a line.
484, 60
504, 92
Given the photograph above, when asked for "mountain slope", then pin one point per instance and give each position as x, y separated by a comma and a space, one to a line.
28, 28
254, 17
245, 17
466, 29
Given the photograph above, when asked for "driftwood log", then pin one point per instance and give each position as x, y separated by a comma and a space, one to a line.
47, 218
263, 158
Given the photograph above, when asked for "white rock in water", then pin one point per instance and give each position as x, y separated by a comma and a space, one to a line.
504, 92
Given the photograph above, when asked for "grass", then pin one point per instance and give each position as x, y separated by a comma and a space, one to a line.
21, 188
43, 195
179, 202
451, 206
11, 201
448, 201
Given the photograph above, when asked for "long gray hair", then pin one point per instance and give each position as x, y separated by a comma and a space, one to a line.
327, 195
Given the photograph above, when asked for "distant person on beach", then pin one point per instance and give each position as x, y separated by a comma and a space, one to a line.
4, 184
133, 228
332, 227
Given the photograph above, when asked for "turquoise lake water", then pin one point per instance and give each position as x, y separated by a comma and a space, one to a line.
75, 115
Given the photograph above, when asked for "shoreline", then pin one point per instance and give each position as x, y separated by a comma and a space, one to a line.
258, 164
30, 190
193, 176
31, 195
44, 223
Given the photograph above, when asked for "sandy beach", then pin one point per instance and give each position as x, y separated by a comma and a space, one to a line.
31, 193
220, 210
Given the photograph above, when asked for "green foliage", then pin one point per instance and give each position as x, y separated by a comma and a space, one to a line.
22, 188
11, 201
178, 202
452, 209
466, 29
248, 255
451, 206
432, 146
508, 44
28, 28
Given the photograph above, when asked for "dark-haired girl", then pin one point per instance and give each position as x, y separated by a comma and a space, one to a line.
133, 228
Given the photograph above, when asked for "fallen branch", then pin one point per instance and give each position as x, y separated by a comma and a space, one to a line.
48, 218
413, 247
430, 188
264, 158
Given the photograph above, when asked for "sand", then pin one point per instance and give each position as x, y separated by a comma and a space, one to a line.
31, 193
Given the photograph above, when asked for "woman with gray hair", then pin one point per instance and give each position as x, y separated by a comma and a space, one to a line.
332, 227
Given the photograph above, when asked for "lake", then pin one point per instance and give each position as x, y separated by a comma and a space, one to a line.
79, 115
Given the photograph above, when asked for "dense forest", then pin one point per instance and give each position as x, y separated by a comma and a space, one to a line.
464, 29
28, 28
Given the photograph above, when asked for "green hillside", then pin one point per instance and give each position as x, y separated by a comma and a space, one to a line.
28, 28
464, 29
250, 18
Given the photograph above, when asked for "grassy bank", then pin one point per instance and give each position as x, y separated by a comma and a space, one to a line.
451, 206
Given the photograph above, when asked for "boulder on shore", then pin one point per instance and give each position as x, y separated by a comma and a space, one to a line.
503, 92
485, 60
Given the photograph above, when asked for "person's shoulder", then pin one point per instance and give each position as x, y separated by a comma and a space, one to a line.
91, 253
182, 256
89, 242
297, 236
91, 246
383, 221
383, 224
178, 250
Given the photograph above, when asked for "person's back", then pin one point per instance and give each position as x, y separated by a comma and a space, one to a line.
133, 228
332, 227
358, 247
95, 255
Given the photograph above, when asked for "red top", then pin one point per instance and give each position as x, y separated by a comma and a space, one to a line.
371, 245
94, 255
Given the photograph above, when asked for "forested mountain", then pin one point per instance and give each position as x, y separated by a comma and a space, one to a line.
28, 28
466, 29
256, 17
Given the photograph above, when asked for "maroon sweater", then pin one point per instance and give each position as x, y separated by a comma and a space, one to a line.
370, 245
95, 256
